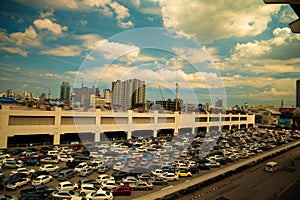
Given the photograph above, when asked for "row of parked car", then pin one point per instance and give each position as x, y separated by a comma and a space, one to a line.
107, 170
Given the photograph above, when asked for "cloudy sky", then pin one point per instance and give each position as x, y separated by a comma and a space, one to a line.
238, 51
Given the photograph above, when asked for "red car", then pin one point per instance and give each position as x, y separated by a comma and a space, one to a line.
123, 190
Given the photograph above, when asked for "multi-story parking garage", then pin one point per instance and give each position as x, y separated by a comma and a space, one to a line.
63, 126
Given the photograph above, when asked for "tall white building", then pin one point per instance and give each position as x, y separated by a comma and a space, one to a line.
128, 94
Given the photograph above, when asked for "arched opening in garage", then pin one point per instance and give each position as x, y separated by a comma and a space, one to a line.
141, 134
29, 140
165, 132
113, 135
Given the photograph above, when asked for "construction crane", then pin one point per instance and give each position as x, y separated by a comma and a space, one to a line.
161, 95
176, 103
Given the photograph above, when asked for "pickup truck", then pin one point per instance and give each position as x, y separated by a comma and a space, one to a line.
36, 192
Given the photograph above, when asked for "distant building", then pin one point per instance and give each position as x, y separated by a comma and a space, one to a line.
298, 93
107, 95
262, 106
65, 91
267, 117
83, 96
128, 94
10, 93
170, 104
219, 103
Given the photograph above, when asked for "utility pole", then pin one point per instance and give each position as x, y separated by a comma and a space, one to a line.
176, 103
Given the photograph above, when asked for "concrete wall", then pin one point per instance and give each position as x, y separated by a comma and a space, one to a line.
17, 122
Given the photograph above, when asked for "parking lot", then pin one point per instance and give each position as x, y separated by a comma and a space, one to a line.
176, 160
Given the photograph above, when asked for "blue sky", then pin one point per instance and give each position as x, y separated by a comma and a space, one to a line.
238, 51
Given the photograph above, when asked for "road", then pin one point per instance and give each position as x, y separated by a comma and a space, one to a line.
257, 184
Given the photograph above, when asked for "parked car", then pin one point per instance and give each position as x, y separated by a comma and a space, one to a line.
12, 164
67, 185
65, 158
108, 185
141, 185
66, 194
104, 177
41, 180
184, 173
103, 169
31, 162
122, 190
88, 180
129, 179
144, 176
66, 174
158, 181
171, 176
38, 173
86, 172
81, 166
88, 188
15, 177
48, 168
15, 185
157, 172
118, 166
27, 171
57, 171
100, 194
50, 159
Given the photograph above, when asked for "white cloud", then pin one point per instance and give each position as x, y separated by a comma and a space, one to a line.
14, 50
49, 25
71, 50
90, 41
114, 50
193, 55
47, 14
210, 20
27, 38
282, 46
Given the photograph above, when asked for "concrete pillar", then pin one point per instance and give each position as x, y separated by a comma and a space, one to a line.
57, 125
97, 128
128, 135
4, 120
56, 138
154, 133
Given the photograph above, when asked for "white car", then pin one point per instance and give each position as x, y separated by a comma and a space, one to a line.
171, 176
104, 177
23, 170
49, 160
109, 185
48, 168
41, 180
81, 166
88, 188
65, 158
129, 179
118, 166
17, 184
95, 164
67, 185
66, 194
157, 172
99, 195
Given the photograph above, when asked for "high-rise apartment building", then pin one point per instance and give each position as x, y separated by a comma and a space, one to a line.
298, 93
128, 94
84, 96
65, 91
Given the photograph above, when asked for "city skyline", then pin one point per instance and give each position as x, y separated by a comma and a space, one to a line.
250, 46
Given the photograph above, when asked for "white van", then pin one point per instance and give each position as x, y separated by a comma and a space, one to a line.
271, 166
